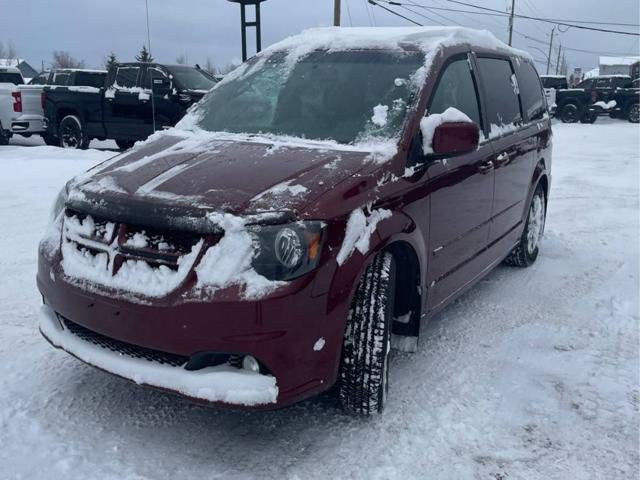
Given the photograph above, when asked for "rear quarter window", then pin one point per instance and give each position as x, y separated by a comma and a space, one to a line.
89, 79
531, 94
502, 104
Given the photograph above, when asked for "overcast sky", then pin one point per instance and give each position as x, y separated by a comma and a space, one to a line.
201, 29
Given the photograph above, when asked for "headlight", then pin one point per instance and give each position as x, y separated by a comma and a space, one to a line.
285, 252
58, 205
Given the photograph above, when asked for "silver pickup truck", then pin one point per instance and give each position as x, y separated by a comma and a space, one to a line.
20, 106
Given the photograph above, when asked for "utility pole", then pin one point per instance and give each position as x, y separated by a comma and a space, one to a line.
513, 11
550, 46
336, 13
558, 61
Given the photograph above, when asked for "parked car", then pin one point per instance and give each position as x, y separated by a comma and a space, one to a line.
6, 112
627, 100
551, 84
123, 109
304, 217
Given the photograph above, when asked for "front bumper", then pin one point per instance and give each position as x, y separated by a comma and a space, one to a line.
279, 330
221, 383
29, 124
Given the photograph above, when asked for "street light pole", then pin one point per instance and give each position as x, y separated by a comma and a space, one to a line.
558, 61
336, 13
550, 46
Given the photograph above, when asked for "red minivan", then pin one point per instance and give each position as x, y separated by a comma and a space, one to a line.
303, 218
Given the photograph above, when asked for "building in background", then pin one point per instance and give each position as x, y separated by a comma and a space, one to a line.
617, 65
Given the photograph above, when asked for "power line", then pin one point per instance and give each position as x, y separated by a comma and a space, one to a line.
374, 2
573, 24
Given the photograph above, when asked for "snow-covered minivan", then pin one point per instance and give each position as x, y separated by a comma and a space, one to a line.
309, 214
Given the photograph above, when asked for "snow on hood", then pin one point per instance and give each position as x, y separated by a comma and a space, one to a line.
238, 174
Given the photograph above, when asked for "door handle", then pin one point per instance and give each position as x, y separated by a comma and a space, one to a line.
502, 158
486, 167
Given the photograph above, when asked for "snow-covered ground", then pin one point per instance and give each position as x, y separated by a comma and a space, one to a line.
534, 374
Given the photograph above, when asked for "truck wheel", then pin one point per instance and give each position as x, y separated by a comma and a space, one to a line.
72, 133
124, 144
633, 114
526, 251
589, 117
364, 369
51, 140
569, 113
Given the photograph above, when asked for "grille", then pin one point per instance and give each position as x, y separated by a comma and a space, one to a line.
123, 348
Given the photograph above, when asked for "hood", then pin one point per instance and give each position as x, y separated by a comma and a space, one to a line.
174, 176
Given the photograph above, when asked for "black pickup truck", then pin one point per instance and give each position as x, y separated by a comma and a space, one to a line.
569, 104
615, 95
627, 100
136, 99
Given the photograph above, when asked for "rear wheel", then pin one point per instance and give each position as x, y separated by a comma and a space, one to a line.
364, 370
633, 114
526, 252
124, 144
570, 113
72, 133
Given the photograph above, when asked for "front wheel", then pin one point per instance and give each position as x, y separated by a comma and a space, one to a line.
527, 249
589, 117
124, 144
72, 133
570, 113
633, 114
5, 136
364, 370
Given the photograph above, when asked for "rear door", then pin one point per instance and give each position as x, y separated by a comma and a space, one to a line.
461, 192
511, 145
125, 104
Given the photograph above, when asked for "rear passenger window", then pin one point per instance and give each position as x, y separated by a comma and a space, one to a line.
90, 79
60, 78
531, 93
127, 77
503, 108
456, 89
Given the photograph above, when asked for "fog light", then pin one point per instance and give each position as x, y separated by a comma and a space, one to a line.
251, 364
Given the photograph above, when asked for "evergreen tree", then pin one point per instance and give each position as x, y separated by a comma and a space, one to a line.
144, 56
110, 61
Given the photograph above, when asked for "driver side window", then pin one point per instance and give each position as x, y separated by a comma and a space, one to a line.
456, 89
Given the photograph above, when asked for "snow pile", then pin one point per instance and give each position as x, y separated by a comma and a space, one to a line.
222, 383
360, 227
229, 262
429, 124
606, 106
380, 113
284, 188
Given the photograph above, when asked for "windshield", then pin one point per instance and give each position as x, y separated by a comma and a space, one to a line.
192, 79
7, 77
348, 96
553, 82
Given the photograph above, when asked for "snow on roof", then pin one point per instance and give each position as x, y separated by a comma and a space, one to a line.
553, 76
618, 60
592, 73
426, 38
10, 62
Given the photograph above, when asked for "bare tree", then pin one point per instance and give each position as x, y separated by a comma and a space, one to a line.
181, 59
63, 59
11, 52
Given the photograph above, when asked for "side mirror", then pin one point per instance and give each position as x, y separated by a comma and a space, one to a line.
455, 138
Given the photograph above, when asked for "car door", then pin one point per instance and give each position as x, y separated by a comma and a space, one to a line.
163, 107
510, 145
125, 103
461, 191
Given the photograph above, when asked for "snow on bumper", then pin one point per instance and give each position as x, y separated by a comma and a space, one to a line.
223, 383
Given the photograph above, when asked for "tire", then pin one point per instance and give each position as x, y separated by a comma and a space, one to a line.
570, 113
72, 133
124, 144
526, 251
364, 369
589, 117
633, 113
51, 140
